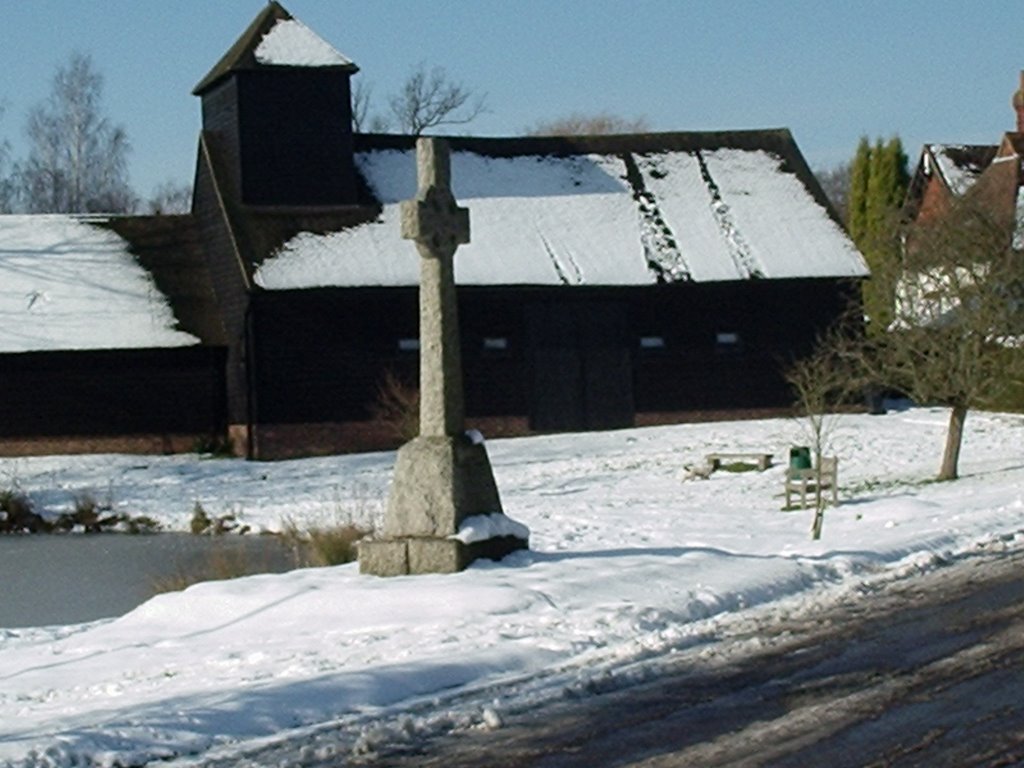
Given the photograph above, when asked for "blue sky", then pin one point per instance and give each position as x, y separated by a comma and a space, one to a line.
829, 71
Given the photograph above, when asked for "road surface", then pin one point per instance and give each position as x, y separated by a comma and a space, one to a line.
919, 671
926, 672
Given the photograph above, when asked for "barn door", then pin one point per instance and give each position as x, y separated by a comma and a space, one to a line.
607, 367
581, 373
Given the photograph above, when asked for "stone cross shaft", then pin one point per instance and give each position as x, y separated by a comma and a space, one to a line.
438, 226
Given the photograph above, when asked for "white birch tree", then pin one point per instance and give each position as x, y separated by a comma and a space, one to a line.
77, 160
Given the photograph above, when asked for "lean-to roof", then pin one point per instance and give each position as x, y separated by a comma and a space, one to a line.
72, 283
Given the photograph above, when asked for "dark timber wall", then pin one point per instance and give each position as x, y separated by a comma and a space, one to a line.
296, 137
113, 392
287, 134
555, 358
226, 269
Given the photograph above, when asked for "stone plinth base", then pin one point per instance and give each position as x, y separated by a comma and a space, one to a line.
439, 481
410, 555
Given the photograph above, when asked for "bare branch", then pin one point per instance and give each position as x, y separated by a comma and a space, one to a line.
835, 182
360, 105
170, 197
429, 99
7, 183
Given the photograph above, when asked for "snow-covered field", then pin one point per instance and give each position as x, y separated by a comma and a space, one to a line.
628, 563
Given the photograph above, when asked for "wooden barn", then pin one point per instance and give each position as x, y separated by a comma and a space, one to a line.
610, 281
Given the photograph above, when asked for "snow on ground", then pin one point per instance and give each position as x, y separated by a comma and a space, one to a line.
628, 562
66, 284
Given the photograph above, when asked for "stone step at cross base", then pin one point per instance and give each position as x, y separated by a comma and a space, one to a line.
413, 555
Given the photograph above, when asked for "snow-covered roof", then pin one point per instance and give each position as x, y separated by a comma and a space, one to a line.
959, 165
67, 284
275, 39
630, 218
291, 43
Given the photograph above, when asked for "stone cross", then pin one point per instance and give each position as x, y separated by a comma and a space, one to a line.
438, 226
442, 477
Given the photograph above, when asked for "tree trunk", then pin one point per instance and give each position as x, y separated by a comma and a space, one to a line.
954, 437
819, 502
819, 520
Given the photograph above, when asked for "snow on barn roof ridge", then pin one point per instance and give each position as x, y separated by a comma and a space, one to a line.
614, 210
68, 284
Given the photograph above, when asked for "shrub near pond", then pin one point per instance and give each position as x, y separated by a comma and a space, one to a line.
16, 515
88, 516
321, 546
316, 546
201, 523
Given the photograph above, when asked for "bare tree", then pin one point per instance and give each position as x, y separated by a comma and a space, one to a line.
360, 105
822, 383
957, 337
429, 99
7, 186
587, 124
363, 121
835, 181
170, 197
77, 160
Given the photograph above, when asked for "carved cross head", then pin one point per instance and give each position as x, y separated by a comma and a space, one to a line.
433, 219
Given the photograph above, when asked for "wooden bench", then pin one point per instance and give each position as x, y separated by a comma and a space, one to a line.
760, 460
804, 481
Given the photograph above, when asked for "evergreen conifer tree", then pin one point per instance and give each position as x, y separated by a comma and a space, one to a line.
878, 185
858, 195
880, 181
898, 159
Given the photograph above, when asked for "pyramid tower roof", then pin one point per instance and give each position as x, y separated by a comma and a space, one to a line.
275, 39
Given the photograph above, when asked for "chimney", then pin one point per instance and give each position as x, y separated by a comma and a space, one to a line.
1018, 104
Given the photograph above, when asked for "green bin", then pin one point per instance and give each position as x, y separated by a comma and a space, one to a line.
800, 457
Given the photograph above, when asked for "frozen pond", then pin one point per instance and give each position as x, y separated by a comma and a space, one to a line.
73, 578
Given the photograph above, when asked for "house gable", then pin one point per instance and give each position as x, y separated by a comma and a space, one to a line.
944, 173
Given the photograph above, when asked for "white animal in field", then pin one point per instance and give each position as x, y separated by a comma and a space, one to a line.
697, 471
